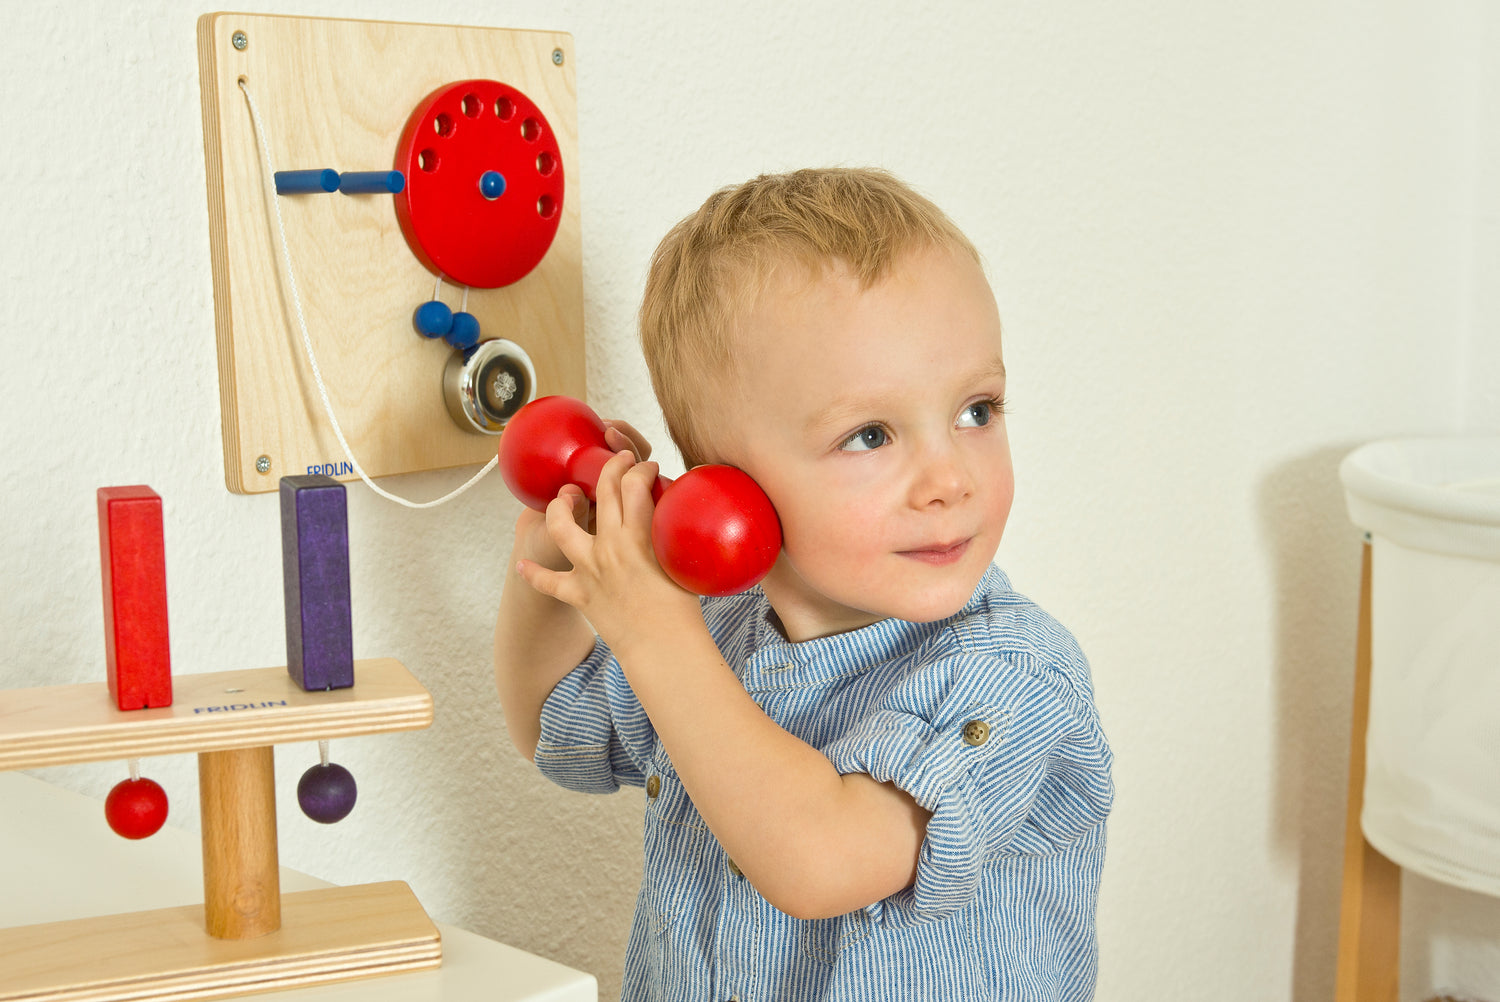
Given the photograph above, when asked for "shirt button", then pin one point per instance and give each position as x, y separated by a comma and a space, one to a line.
653, 787
976, 733
734, 869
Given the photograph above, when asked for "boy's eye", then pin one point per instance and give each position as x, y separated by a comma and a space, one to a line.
872, 437
975, 415
978, 414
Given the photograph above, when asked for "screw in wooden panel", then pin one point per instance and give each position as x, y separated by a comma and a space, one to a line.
262, 464
557, 57
240, 40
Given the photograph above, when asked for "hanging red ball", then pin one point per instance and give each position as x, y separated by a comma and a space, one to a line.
136, 808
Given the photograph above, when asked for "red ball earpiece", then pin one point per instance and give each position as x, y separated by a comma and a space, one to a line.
714, 531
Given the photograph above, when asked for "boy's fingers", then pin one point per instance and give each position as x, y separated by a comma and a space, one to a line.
547, 582
583, 508
635, 491
562, 525
622, 435
578, 501
535, 575
607, 510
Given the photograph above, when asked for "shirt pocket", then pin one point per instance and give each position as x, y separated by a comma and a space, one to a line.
676, 848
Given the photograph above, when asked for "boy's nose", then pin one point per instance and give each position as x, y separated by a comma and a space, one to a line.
943, 478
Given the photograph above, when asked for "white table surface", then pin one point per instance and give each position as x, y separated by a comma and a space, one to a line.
59, 861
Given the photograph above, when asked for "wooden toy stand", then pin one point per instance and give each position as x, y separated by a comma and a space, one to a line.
1370, 909
247, 937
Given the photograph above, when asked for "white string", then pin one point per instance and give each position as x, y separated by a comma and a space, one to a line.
135, 769
307, 341
323, 752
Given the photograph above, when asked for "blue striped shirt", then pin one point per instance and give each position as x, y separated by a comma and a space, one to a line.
987, 719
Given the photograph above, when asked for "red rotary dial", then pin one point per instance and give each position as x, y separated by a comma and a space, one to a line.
484, 183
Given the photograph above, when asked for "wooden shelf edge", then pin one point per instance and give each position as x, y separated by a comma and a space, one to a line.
330, 934
90, 749
213, 711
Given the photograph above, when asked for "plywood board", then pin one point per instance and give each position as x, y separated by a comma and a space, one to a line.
336, 94
326, 935
211, 711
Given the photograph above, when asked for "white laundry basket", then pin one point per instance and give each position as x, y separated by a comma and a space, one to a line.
1432, 772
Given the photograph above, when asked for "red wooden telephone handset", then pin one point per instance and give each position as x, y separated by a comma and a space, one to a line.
714, 530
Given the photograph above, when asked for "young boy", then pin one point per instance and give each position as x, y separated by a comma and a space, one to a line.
879, 774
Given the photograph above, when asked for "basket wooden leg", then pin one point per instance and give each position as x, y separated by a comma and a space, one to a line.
1370, 908
241, 877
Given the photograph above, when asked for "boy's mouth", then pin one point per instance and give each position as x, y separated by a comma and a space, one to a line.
939, 554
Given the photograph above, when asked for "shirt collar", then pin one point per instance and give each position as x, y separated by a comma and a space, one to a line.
776, 663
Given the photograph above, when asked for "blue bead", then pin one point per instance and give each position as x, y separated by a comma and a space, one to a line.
492, 184
465, 331
326, 793
433, 318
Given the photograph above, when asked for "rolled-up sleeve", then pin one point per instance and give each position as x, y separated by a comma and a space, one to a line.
1007, 757
595, 736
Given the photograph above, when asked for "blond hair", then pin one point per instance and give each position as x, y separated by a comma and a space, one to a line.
710, 269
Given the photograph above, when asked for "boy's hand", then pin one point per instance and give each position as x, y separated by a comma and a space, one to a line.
613, 577
538, 640
533, 543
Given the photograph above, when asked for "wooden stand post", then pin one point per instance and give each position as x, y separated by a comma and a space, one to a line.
241, 876
1370, 911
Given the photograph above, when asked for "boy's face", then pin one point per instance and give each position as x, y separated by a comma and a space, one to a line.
871, 418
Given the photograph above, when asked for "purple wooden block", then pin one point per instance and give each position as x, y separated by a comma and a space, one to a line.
315, 574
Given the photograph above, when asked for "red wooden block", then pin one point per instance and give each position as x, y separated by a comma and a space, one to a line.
133, 566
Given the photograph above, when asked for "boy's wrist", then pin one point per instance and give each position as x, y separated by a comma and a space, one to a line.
663, 636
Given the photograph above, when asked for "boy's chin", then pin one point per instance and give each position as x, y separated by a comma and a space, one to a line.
833, 606
935, 612
930, 605
936, 604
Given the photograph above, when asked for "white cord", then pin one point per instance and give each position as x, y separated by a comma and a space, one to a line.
307, 341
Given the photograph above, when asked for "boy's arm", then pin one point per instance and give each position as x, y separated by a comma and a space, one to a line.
538, 640
813, 842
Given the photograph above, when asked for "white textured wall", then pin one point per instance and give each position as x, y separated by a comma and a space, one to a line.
1230, 242
1482, 364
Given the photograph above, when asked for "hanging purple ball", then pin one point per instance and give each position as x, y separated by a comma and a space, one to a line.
326, 793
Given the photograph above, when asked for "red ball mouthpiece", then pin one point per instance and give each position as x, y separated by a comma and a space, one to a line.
548, 444
714, 530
